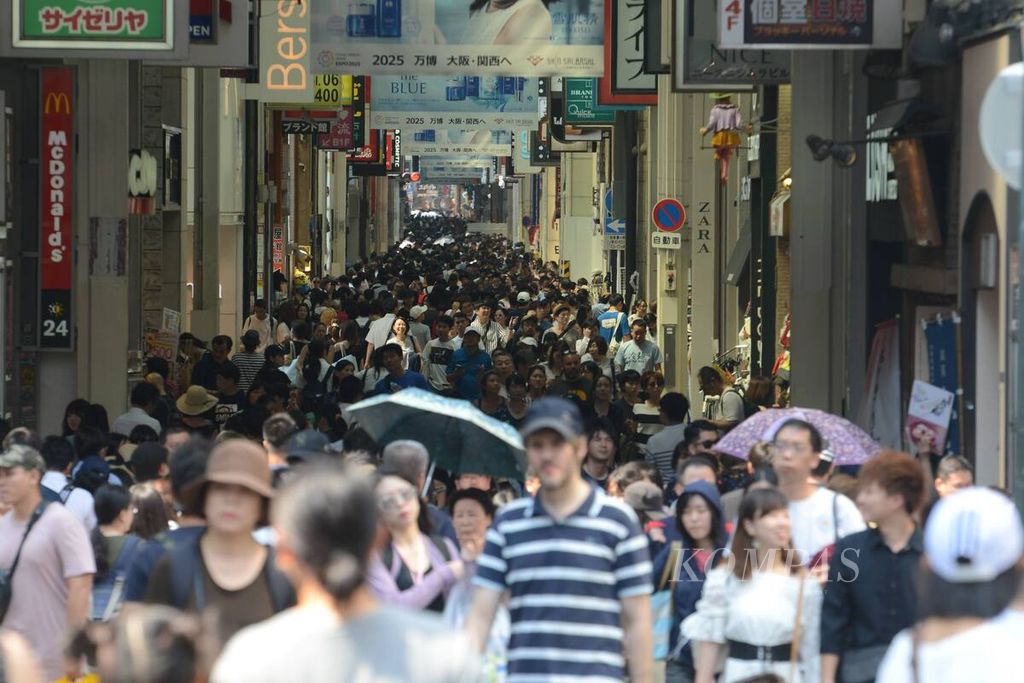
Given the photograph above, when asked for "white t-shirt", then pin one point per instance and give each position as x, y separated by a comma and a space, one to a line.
814, 525
79, 501
436, 355
984, 654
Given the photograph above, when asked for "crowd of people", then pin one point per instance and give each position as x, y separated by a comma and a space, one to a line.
236, 524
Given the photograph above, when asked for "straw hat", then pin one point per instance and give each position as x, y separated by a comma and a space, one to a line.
195, 401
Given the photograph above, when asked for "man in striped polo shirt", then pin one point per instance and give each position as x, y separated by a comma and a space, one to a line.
575, 564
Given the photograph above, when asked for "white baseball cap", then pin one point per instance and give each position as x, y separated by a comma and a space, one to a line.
973, 536
417, 311
523, 297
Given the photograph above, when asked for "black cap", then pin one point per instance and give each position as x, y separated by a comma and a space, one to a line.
553, 413
305, 444
273, 350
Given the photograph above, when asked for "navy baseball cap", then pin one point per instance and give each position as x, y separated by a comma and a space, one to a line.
553, 413
306, 444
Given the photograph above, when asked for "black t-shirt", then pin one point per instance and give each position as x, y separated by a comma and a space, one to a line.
228, 406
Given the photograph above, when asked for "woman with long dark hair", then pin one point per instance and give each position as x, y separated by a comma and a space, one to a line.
536, 383
684, 565
759, 604
73, 414
150, 512
414, 569
491, 402
113, 547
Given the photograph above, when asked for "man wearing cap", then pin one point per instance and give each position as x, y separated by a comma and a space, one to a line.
52, 583
575, 563
973, 546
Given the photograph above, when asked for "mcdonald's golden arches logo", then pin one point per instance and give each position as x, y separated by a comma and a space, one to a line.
55, 102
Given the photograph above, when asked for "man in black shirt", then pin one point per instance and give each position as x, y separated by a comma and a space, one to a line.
870, 597
205, 372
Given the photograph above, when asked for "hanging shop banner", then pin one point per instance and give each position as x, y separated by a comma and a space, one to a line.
943, 337
415, 103
814, 24
57, 99
699, 64
369, 153
308, 122
87, 25
284, 75
360, 109
340, 137
393, 151
446, 37
581, 102
879, 413
625, 81
448, 141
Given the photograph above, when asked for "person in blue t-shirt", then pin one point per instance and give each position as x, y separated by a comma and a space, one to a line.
614, 325
466, 366
398, 377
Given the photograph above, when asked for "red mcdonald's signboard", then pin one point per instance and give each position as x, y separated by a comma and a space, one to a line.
56, 252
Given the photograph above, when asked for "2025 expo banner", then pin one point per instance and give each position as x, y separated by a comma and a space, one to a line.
466, 37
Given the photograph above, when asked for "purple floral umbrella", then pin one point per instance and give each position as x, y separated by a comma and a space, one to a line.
850, 444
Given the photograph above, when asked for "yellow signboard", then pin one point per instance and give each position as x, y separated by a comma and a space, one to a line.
332, 90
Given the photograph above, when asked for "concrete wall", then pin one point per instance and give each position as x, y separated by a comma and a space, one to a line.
981, 64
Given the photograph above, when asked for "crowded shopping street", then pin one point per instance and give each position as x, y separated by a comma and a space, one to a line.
511, 341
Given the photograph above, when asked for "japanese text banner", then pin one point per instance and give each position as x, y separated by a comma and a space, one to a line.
416, 103
449, 37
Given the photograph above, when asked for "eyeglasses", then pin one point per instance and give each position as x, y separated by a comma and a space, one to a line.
396, 500
708, 443
784, 446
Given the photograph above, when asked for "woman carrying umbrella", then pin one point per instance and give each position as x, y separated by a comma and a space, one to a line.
414, 569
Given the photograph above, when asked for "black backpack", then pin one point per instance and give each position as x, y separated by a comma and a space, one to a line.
749, 408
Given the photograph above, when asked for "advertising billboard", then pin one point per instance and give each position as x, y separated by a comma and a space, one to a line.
458, 37
415, 103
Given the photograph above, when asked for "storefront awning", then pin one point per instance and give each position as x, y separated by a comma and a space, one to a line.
739, 259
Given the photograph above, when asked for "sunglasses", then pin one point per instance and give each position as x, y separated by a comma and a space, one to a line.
708, 443
396, 500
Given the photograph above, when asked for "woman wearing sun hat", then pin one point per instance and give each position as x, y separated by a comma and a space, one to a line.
196, 408
224, 568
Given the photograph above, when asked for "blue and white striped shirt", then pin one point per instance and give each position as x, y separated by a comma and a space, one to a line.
566, 580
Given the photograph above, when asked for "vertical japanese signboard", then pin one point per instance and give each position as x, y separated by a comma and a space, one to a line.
89, 25
625, 81
810, 24
447, 37
56, 260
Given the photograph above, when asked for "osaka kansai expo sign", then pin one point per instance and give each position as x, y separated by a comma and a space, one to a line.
93, 24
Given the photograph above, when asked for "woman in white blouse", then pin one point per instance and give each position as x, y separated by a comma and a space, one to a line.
757, 602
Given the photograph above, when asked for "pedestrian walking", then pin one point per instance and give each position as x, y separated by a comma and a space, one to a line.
574, 562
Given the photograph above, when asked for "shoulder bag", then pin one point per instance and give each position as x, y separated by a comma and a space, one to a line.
661, 604
7, 578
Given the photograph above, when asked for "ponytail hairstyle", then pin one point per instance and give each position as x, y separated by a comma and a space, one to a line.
328, 514
109, 502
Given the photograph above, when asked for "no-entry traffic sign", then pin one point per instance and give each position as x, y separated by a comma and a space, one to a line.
669, 215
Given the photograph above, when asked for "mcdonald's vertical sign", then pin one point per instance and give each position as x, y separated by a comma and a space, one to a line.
56, 253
